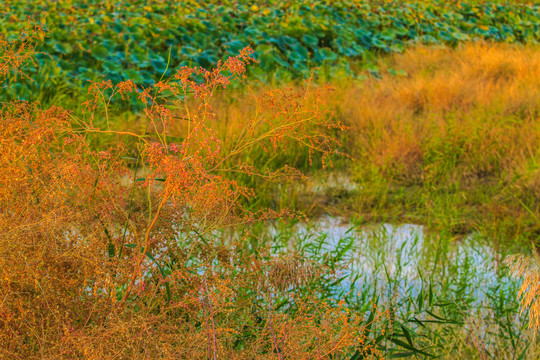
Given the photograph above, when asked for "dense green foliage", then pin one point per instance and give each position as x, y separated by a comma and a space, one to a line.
118, 40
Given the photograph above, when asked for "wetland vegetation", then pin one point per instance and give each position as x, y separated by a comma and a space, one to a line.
269, 180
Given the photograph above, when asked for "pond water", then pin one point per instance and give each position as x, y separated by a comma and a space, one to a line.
399, 261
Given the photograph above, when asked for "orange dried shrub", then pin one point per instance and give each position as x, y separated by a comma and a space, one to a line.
114, 252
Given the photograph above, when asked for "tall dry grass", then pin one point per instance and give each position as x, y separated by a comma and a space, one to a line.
478, 103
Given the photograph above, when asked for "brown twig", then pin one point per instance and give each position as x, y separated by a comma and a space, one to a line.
212, 317
272, 326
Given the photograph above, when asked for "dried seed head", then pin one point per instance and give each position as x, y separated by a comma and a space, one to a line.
291, 272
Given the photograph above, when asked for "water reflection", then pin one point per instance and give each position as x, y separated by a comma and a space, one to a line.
399, 260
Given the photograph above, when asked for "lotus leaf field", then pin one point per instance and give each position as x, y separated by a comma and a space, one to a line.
119, 40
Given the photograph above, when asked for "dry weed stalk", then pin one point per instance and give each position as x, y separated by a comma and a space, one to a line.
14, 55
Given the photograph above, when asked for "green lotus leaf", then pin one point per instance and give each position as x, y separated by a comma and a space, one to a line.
401, 31
112, 66
133, 75
394, 72
159, 66
460, 36
310, 40
140, 59
289, 41
234, 47
388, 34
252, 31
115, 77
295, 57
446, 36
263, 48
286, 34
100, 52
301, 67
381, 44
428, 39
326, 54
188, 51
155, 57
147, 78
280, 61
266, 61
301, 51
63, 48
87, 75
206, 60
397, 47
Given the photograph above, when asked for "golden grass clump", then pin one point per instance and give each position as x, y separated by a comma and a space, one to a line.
527, 268
476, 106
